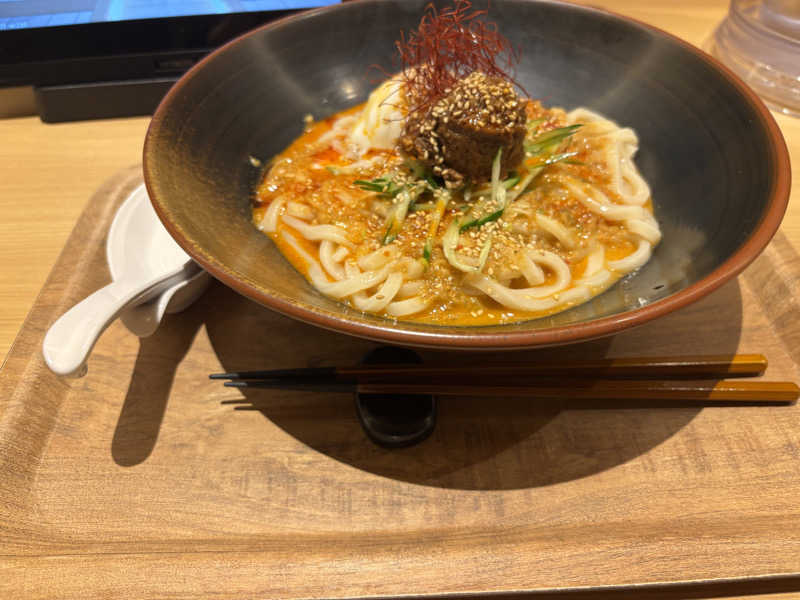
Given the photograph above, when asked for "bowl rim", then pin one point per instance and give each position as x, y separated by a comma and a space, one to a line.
474, 338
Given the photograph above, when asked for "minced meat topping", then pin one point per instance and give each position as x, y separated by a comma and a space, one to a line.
458, 138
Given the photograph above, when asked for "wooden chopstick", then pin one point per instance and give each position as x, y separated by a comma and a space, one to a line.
702, 391
687, 367
752, 392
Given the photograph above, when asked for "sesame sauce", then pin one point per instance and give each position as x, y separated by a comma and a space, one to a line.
311, 174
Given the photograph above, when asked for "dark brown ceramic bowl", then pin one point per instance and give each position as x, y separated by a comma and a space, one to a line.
714, 157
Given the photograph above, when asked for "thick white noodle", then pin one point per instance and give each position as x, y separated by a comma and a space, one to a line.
535, 298
341, 253
622, 143
634, 260
594, 124
351, 285
633, 187
269, 222
595, 275
530, 270
557, 265
595, 261
404, 308
299, 210
327, 256
507, 272
630, 185
315, 272
600, 279
318, 232
508, 297
380, 299
379, 258
557, 230
412, 268
597, 202
644, 229
410, 288
576, 295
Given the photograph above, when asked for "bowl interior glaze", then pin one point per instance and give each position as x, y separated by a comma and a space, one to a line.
715, 160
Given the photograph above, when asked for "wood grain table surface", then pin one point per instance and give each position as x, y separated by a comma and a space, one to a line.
49, 171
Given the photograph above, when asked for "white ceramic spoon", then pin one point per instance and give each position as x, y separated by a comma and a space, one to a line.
143, 319
152, 263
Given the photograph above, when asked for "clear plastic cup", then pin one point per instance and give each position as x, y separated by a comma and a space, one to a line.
760, 41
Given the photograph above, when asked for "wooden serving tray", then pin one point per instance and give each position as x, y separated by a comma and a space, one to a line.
145, 479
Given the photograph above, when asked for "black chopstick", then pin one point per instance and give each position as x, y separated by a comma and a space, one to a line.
687, 367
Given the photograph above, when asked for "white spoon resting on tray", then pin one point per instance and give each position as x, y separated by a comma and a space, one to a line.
152, 264
143, 319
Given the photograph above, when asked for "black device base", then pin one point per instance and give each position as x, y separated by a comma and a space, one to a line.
395, 420
101, 100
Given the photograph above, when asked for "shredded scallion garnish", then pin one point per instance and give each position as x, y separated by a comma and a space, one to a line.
497, 198
384, 186
443, 197
550, 139
396, 218
493, 199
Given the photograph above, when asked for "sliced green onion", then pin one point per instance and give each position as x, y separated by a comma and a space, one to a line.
427, 251
381, 185
550, 139
496, 169
511, 181
396, 218
483, 220
449, 244
420, 171
333, 170
442, 199
432, 183
497, 198
450, 239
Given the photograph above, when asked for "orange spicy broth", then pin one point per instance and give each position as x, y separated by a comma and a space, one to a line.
308, 176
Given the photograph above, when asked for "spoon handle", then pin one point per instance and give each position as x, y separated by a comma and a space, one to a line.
70, 340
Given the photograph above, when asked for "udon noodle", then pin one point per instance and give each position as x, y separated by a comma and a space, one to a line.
373, 221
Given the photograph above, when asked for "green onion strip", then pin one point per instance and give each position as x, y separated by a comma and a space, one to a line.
443, 197
458, 225
396, 218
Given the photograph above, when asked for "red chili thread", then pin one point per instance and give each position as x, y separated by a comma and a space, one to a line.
446, 47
